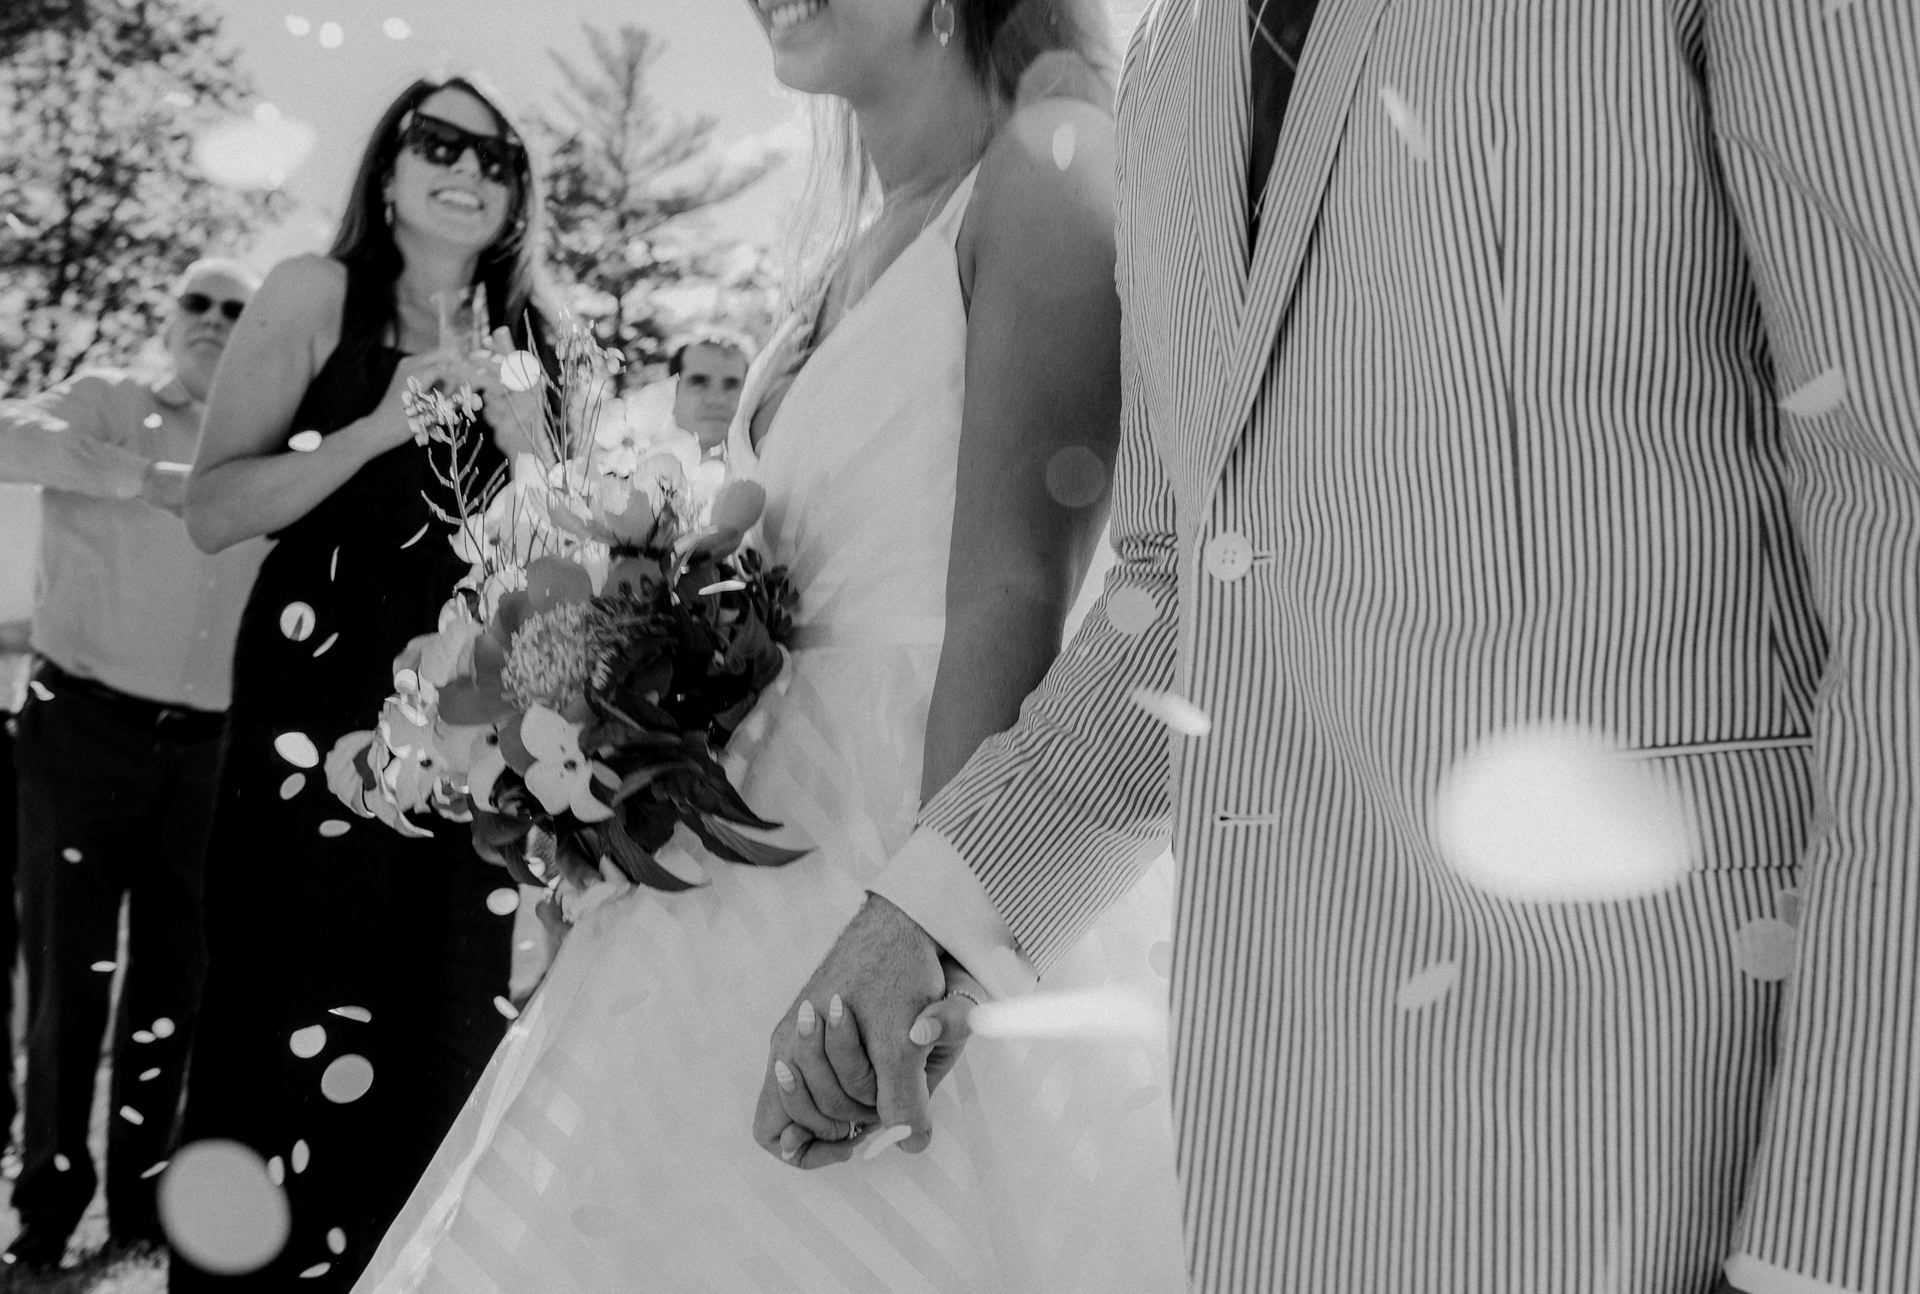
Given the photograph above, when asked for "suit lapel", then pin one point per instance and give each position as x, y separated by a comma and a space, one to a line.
1302, 166
1219, 143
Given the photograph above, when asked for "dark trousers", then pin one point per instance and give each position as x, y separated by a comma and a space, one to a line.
9, 925
116, 795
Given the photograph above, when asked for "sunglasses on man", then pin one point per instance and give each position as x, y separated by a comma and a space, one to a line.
442, 143
198, 303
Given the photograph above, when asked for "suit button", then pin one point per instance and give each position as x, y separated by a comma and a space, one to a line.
1227, 556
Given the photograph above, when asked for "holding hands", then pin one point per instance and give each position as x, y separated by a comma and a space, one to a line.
872, 1034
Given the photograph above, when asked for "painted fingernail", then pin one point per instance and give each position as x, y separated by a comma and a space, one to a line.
806, 1019
836, 1011
891, 1137
789, 1144
782, 1075
925, 1032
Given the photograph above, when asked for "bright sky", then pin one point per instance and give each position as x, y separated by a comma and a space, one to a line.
333, 64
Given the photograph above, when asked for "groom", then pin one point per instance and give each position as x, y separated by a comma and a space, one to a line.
1564, 371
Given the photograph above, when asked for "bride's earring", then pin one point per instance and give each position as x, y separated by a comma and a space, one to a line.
943, 21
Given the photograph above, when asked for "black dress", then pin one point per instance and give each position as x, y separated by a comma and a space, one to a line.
321, 920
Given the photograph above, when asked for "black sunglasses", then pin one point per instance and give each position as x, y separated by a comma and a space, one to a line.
442, 143
198, 303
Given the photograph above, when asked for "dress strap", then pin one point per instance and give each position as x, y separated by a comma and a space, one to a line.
954, 213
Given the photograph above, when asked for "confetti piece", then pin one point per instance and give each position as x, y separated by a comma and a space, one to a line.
163, 1028
356, 1013
1427, 987
1160, 957
321, 650
62, 1164
148, 1075
142, 1036
882, 1141
1071, 1013
1407, 124
220, 1209
1076, 477
132, 1115
151, 421
297, 25
1132, 611
1818, 396
297, 749
71, 855
336, 1240
520, 371
293, 786
302, 1156
318, 1269
506, 1008
723, 586
333, 565
334, 828
1765, 949
503, 902
1786, 907
1178, 713
304, 442
296, 621
1553, 813
1065, 142
154, 1170
347, 1079
105, 968
418, 535
332, 35
395, 29
308, 1042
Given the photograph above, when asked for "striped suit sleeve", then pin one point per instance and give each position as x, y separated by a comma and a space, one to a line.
1815, 109
1059, 815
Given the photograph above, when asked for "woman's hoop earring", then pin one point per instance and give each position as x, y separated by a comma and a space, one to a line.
943, 21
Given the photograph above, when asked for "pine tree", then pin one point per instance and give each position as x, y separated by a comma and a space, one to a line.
622, 178
100, 202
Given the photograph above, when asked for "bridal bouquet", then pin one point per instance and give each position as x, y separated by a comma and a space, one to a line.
608, 638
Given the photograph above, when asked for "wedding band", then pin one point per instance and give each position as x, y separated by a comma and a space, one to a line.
960, 992
854, 1130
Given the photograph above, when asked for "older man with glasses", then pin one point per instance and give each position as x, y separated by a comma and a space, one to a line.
116, 750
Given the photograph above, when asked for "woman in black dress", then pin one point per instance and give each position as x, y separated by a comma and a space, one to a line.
338, 950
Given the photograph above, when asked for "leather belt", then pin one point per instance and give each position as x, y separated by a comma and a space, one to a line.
180, 724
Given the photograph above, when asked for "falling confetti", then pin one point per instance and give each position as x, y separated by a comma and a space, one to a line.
1765, 949
62, 1164
506, 1008
142, 1036
297, 749
154, 1170
1160, 957
321, 650
304, 442
1076, 477
296, 621
1427, 987
1786, 906
1178, 713
308, 1042
1552, 813
347, 1079
1132, 610
332, 35
723, 586
132, 1115
334, 828
256, 152
277, 1171
1065, 142
302, 1156
503, 902
396, 29
418, 535
148, 1075
1818, 396
333, 565
71, 855
520, 371
297, 25
163, 1028
1407, 124
293, 786
105, 968
336, 1240
356, 1013
1071, 1013
152, 421
40, 690
318, 1269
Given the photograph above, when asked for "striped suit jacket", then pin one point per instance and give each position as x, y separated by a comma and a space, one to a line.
1488, 429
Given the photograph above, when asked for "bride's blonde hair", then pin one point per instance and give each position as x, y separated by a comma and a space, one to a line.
1022, 51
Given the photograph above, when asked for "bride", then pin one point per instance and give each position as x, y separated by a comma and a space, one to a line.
930, 432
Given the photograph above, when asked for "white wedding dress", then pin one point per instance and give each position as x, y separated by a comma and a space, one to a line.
608, 1148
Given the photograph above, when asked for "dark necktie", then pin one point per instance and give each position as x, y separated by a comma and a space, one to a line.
1278, 33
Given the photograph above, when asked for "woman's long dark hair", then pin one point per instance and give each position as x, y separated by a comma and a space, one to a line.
508, 270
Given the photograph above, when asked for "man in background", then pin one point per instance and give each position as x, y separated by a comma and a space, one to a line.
708, 373
116, 750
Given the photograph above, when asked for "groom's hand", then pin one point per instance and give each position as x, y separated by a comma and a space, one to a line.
827, 1069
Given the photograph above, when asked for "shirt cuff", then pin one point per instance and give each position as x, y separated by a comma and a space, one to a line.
930, 882
1750, 1275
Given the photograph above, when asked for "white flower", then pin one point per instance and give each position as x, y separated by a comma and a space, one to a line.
562, 776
